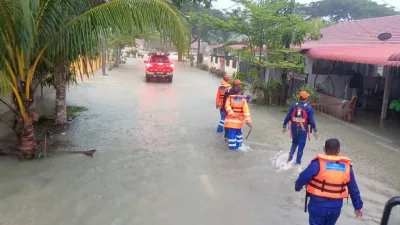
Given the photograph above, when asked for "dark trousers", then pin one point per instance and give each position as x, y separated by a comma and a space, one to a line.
319, 215
299, 139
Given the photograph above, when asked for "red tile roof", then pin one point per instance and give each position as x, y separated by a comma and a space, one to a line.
366, 54
364, 31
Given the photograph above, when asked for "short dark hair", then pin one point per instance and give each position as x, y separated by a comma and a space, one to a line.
332, 146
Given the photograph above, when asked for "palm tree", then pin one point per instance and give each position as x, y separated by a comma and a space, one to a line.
38, 30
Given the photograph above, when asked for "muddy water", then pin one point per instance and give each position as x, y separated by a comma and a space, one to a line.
159, 161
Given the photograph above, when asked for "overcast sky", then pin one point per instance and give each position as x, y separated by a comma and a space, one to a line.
223, 4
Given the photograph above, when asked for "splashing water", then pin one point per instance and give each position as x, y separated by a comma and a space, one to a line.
279, 160
244, 148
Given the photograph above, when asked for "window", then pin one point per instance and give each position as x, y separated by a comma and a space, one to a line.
159, 59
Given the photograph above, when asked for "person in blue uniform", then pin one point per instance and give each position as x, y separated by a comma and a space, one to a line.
329, 179
301, 116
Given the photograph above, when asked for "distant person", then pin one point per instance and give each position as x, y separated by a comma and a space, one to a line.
237, 113
329, 179
222, 89
301, 115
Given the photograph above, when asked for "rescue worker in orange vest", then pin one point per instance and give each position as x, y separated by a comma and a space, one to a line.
238, 113
301, 117
236, 83
222, 89
329, 179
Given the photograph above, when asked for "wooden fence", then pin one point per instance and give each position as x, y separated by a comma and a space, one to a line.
85, 65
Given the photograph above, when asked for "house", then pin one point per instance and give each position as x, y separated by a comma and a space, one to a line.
357, 58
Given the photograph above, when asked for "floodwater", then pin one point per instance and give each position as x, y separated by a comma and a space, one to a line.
160, 161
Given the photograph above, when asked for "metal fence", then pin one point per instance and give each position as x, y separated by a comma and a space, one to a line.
342, 111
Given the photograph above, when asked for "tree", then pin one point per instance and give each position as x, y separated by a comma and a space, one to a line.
343, 10
201, 30
273, 24
37, 28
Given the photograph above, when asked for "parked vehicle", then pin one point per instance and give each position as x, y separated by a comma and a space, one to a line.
159, 66
387, 211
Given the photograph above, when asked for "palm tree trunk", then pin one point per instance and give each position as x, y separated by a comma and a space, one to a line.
26, 140
61, 103
60, 84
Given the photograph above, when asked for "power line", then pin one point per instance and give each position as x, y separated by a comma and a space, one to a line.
231, 6
390, 5
366, 31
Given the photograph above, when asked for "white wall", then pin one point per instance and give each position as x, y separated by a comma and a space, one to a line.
228, 69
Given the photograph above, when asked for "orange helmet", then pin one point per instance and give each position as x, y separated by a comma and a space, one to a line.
304, 95
237, 82
227, 78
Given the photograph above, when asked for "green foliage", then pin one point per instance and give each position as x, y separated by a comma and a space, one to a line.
343, 10
190, 57
240, 76
220, 72
199, 16
266, 92
314, 95
203, 67
395, 105
272, 24
212, 69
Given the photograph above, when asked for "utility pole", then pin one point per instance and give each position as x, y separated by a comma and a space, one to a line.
198, 46
103, 55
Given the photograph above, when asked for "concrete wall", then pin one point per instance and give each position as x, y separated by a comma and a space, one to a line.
228, 69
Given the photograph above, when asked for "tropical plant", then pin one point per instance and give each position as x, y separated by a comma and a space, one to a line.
212, 69
314, 95
203, 67
220, 72
266, 92
271, 24
61, 31
395, 105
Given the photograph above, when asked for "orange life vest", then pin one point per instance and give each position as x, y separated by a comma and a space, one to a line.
222, 89
237, 110
332, 179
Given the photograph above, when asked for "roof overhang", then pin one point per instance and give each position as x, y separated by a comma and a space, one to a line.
385, 54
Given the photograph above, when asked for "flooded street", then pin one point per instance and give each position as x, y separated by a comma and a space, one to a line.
159, 161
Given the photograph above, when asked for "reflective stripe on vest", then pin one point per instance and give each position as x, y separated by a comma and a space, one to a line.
332, 179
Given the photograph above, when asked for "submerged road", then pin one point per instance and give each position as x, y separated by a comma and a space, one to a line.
160, 161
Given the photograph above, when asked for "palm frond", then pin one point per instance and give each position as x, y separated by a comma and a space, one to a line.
132, 16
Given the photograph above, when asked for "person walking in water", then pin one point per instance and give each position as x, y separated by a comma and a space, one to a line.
236, 83
329, 179
301, 116
238, 113
222, 89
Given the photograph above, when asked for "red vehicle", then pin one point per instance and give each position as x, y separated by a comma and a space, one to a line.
160, 67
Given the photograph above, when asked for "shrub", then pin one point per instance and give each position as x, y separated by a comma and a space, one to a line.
191, 57
220, 72
266, 92
314, 95
395, 105
212, 69
203, 67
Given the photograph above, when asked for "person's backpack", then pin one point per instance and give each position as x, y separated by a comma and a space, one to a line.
299, 114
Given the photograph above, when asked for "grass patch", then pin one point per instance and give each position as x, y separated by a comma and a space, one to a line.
73, 111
